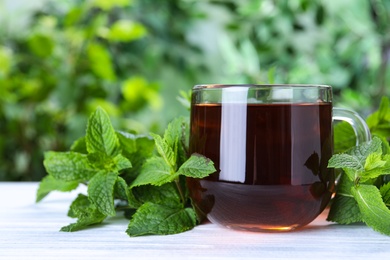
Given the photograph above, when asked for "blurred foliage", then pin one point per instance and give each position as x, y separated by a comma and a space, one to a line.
60, 60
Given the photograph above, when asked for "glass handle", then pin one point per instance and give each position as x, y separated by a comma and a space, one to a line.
357, 123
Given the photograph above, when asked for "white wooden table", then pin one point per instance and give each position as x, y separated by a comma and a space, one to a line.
31, 231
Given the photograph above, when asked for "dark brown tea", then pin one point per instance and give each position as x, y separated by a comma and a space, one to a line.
271, 162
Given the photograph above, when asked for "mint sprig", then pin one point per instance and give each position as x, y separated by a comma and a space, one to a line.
166, 168
357, 198
122, 173
363, 189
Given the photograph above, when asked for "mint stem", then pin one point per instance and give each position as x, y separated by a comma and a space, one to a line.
177, 182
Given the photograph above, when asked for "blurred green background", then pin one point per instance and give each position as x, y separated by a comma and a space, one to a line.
61, 59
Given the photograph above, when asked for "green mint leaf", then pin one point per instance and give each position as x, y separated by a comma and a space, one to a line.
101, 192
348, 163
127, 141
173, 131
101, 136
68, 166
78, 206
369, 177
385, 193
79, 146
197, 166
144, 150
385, 147
166, 194
165, 151
345, 161
132, 201
85, 211
384, 110
155, 171
344, 208
102, 161
344, 137
379, 121
176, 136
121, 189
354, 161
49, 183
375, 166
373, 161
374, 211
362, 151
157, 219
386, 158
121, 162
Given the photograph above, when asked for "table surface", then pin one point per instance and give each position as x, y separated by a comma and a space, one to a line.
31, 231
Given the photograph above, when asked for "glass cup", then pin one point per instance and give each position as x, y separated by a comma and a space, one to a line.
270, 145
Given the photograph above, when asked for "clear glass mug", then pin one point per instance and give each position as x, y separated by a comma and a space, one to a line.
270, 145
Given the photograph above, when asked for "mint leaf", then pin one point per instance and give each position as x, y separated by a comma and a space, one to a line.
385, 193
121, 162
68, 166
79, 146
101, 192
165, 151
133, 202
176, 136
127, 141
102, 161
373, 161
166, 194
354, 161
85, 211
375, 166
157, 219
101, 136
345, 161
197, 166
379, 121
121, 189
144, 150
384, 110
374, 211
385, 146
344, 137
344, 208
49, 183
156, 172
362, 151
174, 131
78, 206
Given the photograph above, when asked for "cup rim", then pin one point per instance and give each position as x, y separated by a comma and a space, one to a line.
219, 86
